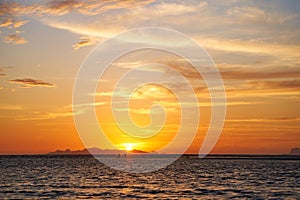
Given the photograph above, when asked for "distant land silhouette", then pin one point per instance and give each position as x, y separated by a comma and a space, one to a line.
294, 151
93, 150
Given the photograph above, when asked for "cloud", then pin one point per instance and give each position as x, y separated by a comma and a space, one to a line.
184, 69
62, 7
281, 84
244, 74
146, 110
128, 64
10, 107
279, 89
255, 14
85, 41
10, 23
2, 70
10, 9
46, 115
275, 119
103, 29
102, 94
163, 9
249, 46
144, 92
85, 105
11, 13
59, 112
137, 13
241, 82
237, 72
15, 39
6, 22
150, 90
18, 24
91, 7
31, 82
133, 13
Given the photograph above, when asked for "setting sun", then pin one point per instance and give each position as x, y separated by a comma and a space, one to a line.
128, 146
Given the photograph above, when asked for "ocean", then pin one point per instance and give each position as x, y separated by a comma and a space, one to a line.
215, 177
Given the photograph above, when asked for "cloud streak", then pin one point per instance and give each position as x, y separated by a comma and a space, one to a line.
246, 74
275, 119
252, 14
249, 46
9, 10
32, 82
46, 116
89, 7
283, 84
2, 69
10, 107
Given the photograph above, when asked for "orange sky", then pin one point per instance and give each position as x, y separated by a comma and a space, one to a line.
255, 46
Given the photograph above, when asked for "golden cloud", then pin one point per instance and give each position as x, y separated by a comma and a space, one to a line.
85, 41
15, 39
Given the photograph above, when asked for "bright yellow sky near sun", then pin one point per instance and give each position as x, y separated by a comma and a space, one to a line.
255, 45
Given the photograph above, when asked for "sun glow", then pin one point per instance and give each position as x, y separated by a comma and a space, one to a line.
128, 146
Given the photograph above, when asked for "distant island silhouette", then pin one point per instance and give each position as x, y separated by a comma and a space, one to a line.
93, 150
87, 151
294, 151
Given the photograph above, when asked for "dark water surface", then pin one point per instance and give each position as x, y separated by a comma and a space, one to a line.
80, 177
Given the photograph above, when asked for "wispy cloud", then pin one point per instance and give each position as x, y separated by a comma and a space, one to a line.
11, 11
3, 69
32, 82
249, 46
45, 115
133, 13
103, 29
164, 9
254, 14
280, 84
145, 110
90, 7
275, 119
10, 107
246, 74
237, 72
85, 105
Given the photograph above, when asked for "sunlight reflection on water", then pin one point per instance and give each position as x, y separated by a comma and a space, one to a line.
85, 177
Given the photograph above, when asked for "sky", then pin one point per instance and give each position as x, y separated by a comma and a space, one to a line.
254, 44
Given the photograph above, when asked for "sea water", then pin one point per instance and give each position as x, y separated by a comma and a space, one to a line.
80, 177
